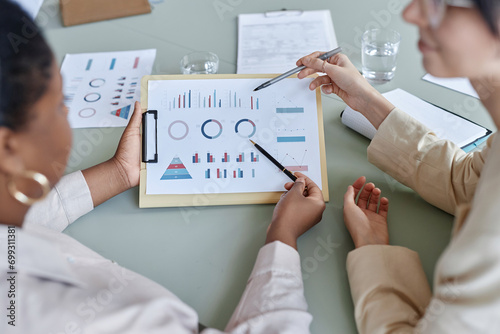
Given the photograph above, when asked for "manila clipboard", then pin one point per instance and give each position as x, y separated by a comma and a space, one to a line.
149, 154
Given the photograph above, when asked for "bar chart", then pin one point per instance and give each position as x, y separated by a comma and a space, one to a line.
195, 99
254, 157
196, 158
223, 173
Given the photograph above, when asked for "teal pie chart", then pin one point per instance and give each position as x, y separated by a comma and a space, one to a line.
248, 131
210, 131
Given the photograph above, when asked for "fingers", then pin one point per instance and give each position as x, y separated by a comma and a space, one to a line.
384, 207
327, 89
288, 185
374, 198
306, 72
313, 190
349, 196
315, 54
358, 185
136, 119
315, 63
364, 195
319, 81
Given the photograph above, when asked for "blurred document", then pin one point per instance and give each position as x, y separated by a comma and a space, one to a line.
100, 88
461, 85
273, 42
31, 6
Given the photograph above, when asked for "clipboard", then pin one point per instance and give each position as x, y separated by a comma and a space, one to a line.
149, 154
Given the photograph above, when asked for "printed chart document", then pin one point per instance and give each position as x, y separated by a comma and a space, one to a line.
461, 85
100, 88
204, 129
273, 42
444, 124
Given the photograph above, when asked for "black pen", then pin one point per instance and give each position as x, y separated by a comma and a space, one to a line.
275, 162
324, 56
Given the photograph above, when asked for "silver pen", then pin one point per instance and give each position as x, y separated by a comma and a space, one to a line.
324, 56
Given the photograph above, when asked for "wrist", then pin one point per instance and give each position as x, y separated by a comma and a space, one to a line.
121, 182
282, 235
378, 109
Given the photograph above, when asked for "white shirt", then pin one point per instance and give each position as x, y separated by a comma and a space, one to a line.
61, 286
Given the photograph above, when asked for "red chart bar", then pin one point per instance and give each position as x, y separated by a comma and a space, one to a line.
234, 175
251, 102
136, 63
225, 157
209, 100
218, 173
179, 101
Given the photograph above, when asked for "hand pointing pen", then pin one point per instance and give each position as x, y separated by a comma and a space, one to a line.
322, 57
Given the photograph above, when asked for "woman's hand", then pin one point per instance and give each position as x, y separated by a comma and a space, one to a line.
366, 224
122, 171
297, 211
127, 157
344, 80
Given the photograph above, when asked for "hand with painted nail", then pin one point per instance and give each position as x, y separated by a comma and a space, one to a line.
297, 211
366, 220
343, 79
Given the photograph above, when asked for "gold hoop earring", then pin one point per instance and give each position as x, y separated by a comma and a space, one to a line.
39, 178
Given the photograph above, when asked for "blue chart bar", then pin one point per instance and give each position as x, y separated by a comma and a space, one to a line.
220, 103
240, 173
253, 172
290, 110
113, 62
225, 173
207, 174
257, 103
189, 98
89, 65
291, 139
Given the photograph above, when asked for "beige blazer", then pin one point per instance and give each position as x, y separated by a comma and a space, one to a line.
388, 285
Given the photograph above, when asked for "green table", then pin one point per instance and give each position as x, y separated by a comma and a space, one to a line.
205, 254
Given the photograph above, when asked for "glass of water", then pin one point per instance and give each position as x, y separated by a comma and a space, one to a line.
201, 62
379, 50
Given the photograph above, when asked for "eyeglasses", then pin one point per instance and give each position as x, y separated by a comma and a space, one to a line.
435, 9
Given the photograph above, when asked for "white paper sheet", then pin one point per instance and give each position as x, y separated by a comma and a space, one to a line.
192, 132
461, 85
444, 124
31, 6
273, 42
100, 88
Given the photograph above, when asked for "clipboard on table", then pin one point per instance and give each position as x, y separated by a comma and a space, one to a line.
179, 114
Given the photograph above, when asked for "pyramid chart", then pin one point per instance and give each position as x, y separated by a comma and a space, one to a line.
176, 171
122, 112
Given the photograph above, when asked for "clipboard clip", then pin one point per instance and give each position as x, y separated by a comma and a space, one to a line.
150, 136
284, 12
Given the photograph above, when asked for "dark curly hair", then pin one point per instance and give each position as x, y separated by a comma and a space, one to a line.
25, 65
490, 10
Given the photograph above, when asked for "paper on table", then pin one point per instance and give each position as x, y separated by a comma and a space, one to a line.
204, 127
100, 88
461, 85
31, 6
273, 42
444, 124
